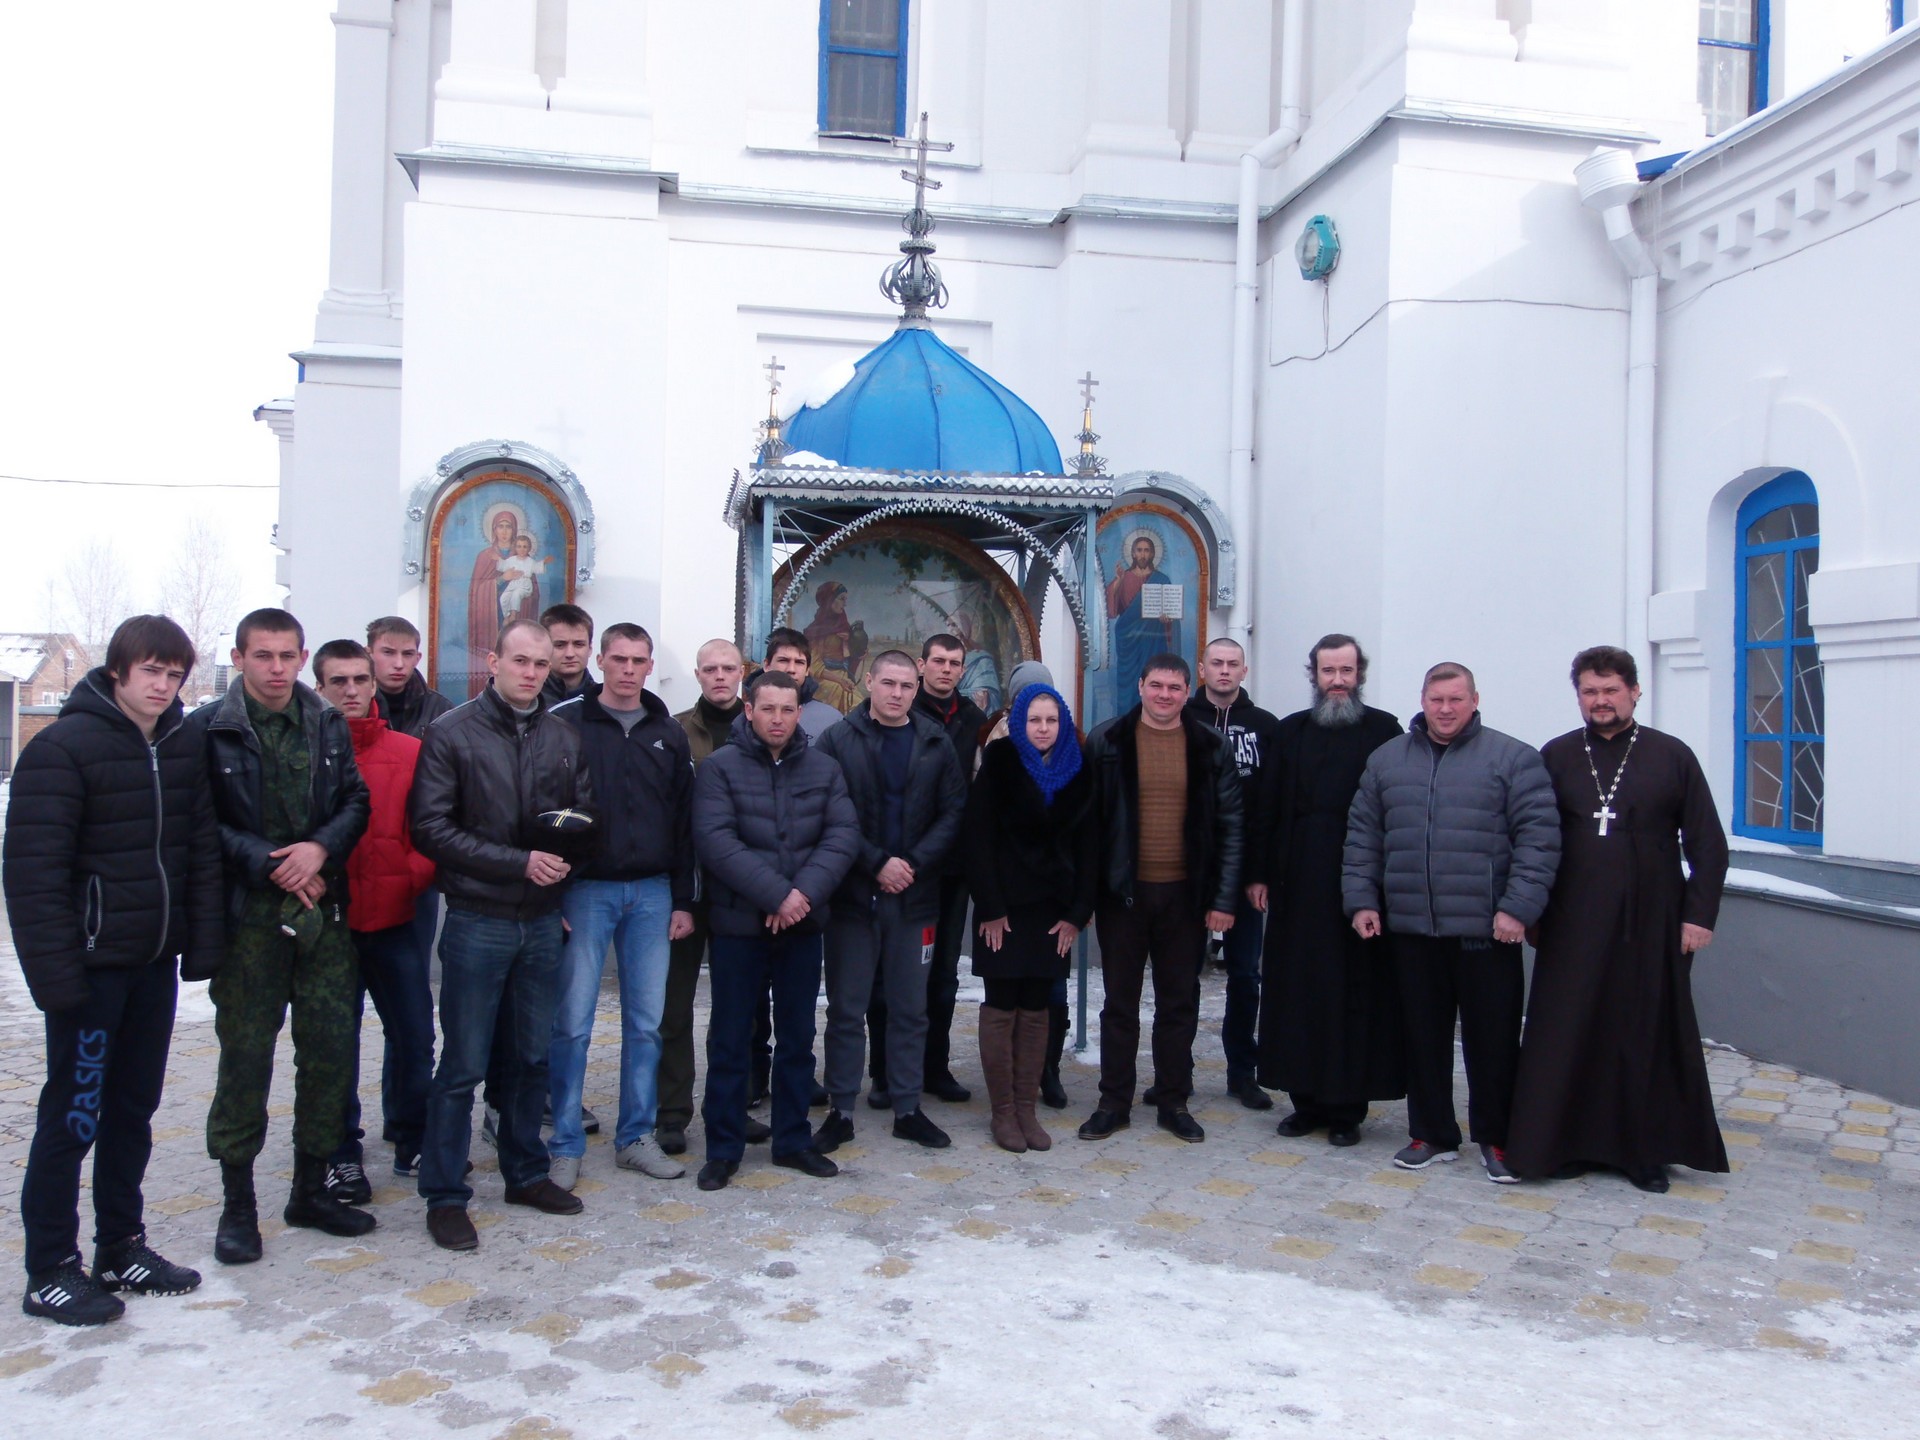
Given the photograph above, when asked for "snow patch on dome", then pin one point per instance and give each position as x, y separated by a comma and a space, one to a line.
816, 390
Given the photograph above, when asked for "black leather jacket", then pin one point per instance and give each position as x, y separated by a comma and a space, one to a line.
480, 781
340, 800
1215, 826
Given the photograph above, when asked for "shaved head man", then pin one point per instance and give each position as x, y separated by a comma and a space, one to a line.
719, 667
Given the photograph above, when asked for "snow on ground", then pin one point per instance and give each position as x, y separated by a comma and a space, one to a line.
1075, 1336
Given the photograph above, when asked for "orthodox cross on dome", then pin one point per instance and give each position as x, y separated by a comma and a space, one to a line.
1087, 463
913, 283
772, 446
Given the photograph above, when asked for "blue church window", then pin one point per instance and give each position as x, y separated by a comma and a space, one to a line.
1780, 766
863, 67
1734, 38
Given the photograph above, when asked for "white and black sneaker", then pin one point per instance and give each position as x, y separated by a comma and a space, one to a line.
67, 1295
136, 1266
347, 1182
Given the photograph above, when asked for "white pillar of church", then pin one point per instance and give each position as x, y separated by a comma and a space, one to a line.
489, 92
358, 304
1231, 68
601, 106
1130, 80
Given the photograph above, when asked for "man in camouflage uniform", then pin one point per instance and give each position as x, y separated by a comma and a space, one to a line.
291, 805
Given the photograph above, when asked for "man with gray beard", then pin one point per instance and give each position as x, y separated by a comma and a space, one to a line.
1329, 1013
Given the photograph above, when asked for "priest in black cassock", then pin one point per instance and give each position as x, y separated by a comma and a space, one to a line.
1611, 1072
1329, 1011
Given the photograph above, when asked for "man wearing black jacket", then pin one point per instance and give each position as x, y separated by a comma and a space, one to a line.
905, 783
1223, 704
1167, 792
405, 700
775, 833
499, 791
943, 659
571, 630
291, 804
635, 892
112, 875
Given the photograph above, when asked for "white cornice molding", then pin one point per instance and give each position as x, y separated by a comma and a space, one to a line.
1834, 157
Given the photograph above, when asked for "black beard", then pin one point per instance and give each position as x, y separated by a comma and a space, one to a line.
1336, 711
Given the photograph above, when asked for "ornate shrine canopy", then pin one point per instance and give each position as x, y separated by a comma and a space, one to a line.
917, 432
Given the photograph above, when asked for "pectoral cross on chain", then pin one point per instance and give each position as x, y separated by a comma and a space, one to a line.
1605, 813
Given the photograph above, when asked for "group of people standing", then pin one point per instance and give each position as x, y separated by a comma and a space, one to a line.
295, 843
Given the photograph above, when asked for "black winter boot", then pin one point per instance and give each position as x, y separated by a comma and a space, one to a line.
237, 1240
309, 1204
1052, 1093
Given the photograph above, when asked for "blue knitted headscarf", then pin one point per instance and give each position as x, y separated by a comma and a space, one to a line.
1053, 770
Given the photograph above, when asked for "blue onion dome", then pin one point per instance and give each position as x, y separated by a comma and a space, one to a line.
915, 403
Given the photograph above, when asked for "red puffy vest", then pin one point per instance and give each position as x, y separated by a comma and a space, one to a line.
385, 874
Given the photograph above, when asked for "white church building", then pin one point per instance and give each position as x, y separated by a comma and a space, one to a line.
1483, 329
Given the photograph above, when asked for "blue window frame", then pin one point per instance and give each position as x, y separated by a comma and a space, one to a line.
1735, 36
1896, 14
1780, 688
863, 67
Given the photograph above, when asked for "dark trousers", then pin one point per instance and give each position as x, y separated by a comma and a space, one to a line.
943, 990
676, 1025
489, 968
1484, 986
1243, 947
106, 1061
266, 974
393, 970
740, 971
1161, 930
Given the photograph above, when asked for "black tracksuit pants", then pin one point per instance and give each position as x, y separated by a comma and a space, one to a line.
106, 1063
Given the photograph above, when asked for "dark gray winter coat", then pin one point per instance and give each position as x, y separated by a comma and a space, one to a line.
1440, 837
763, 827
936, 799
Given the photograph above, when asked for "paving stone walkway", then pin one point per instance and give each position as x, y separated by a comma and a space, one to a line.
1249, 1285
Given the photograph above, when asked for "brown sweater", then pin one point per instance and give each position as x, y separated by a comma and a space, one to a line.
1163, 804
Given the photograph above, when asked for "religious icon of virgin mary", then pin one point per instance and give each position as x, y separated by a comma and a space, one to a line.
486, 617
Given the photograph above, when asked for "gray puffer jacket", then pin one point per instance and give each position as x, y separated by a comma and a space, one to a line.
1447, 835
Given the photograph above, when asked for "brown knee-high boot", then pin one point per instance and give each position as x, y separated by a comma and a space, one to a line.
996, 1059
1029, 1059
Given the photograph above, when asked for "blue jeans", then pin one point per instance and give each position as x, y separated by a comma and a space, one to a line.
393, 970
632, 916
489, 968
1243, 947
739, 970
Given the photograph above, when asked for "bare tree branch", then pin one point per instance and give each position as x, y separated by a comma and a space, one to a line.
97, 595
200, 594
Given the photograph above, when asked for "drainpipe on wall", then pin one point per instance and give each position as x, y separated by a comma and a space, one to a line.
1609, 180
1246, 260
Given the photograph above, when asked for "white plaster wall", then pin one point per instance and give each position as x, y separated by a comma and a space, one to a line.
342, 566
1804, 364
548, 327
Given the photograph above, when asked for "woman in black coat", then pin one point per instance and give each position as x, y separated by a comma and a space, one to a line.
1032, 865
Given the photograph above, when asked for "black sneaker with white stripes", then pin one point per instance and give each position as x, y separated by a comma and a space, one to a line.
68, 1295
347, 1182
136, 1266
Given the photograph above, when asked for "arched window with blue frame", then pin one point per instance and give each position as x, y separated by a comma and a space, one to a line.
1780, 756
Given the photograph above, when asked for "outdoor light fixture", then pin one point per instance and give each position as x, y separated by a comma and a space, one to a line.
1318, 249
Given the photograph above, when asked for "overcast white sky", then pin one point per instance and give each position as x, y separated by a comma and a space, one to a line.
163, 183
